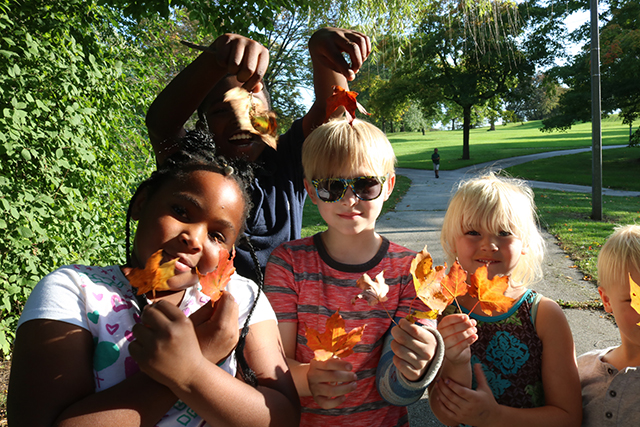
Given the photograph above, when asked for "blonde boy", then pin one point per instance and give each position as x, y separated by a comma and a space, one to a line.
349, 173
610, 377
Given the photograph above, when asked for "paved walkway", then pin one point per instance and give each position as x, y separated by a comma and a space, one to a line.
417, 221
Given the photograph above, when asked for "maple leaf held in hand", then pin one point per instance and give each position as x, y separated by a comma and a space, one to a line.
373, 292
347, 99
454, 284
335, 340
426, 280
153, 277
490, 293
634, 291
214, 282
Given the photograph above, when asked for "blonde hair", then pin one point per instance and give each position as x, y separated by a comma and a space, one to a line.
496, 203
337, 147
620, 253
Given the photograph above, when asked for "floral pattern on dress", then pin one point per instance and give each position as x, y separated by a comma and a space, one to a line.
507, 352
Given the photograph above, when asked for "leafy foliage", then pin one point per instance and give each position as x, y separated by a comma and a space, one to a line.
71, 141
619, 71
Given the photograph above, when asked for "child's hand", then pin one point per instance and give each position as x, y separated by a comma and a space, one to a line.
217, 328
413, 348
330, 381
327, 45
473, 407
458, 333
244, 58
166, 346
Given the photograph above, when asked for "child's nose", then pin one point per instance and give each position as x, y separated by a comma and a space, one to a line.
489, 243
350, 197
194, 237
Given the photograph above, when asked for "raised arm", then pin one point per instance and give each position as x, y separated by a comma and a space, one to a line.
232, 54
326, 47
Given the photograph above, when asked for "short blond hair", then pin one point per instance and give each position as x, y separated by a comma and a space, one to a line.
496, 203
337, 146
620, 253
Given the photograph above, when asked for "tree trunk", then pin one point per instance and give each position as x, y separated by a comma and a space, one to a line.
391, 125
493, 125
466, 126
423, 133
453, 124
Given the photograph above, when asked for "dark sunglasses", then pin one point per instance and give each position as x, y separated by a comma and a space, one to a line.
364, 187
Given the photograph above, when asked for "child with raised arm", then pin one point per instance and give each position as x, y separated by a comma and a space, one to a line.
522, 370
610, 377
349, 173
90, 351
225, 88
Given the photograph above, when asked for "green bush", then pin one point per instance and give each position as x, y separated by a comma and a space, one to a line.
72, 142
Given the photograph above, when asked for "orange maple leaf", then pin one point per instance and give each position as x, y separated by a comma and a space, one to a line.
490, 293
373, 292
214, 282
153, 277
431, 314
426, 280
454, 284
634, 291
334, 341
344, 98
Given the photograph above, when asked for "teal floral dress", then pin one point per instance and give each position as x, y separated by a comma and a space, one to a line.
510, 352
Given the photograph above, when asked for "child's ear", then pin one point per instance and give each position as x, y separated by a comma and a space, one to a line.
605, 299
201, 126
138, 204
391, 183
311, 191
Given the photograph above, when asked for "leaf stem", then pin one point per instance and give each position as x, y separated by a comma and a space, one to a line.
474, 307
388, 314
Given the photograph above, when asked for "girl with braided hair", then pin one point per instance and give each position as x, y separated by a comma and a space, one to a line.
89, 351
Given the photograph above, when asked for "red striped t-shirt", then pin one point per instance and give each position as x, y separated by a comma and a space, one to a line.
306, 286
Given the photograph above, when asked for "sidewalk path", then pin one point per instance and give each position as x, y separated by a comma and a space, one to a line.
417, 220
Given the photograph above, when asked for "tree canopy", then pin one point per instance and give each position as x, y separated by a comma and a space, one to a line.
619, 70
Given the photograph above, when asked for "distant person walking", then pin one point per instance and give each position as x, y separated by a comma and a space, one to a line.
435, 158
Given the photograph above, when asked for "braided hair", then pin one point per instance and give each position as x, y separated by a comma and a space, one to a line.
196, 152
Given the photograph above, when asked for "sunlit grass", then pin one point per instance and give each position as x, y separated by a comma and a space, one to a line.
568, 217
515, 139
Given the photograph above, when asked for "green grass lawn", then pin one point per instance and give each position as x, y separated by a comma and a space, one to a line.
414, 150
620, 169
568, 217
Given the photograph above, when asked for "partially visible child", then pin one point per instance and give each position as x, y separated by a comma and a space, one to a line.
84, 328
218, 86
610, 377
349, 172
522, 370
